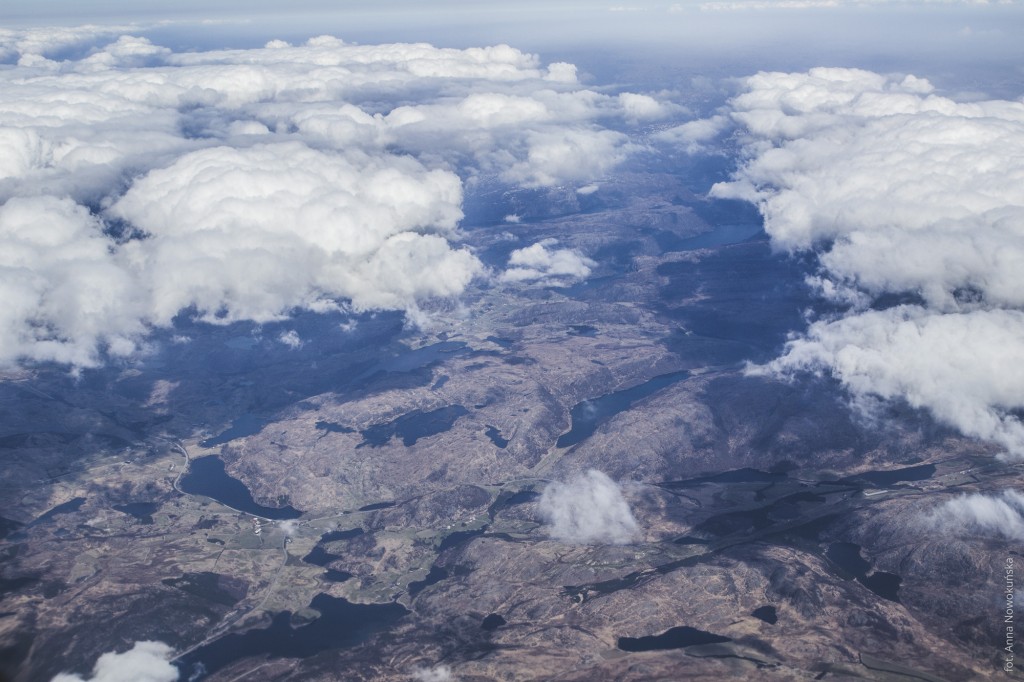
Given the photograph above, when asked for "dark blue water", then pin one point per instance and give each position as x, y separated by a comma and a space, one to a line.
583, 330
507, 499
336, 576
348, 534
745, 475
341, 624
377, 505
68, 507
413, 426
589, 414
847, 556
8, 526
9, 585
720, 236
783, 509
409, 361
675, 638
495, 435
522, 497
436, 575
884, 478
206, 476
246, 425
689, 540
140, 510
331, 427
319, 556
492, 622
459, 537
504, 343
766, 613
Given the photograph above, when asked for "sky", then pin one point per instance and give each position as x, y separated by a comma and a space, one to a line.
955, 41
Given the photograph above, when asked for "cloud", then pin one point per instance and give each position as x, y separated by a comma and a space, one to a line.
540, 262
576, 155
65, 294
258, 231
906, 190
970, 515
144, 662
291, 339
588, 509
693, 136
642, 107
42, 41
967, 368
902, 192
244, 184
441, 673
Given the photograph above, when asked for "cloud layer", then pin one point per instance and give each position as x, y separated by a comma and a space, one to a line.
1000, 516
144, 662
902, 193
588, 510
138, 183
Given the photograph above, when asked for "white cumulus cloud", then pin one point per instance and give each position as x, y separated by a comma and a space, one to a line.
992, 515
588, 509
440, 673
692, 136
144, 662
291, 339
901, 191
541, 262
257, 231
64, 293
967, 368
137, 183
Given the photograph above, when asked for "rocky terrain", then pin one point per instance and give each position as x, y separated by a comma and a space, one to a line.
779, 532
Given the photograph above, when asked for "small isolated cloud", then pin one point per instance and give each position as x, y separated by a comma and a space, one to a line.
561, 72
693, 136
540, 262
976, 514
642, 107
440, 673
587, 510
578, 155
291, 339
144, 662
